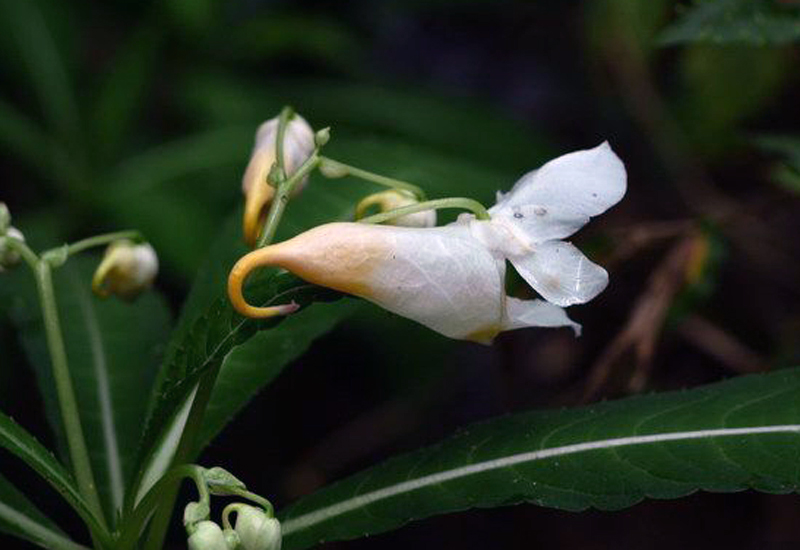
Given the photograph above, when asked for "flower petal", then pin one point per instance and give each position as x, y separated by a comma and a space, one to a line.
536, 313
561, 274
559, 198
440, 277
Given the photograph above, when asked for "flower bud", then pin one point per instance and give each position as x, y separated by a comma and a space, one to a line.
397, 198
8, 256
5, 218
298, 145
207, 535
127, 270
194, 513
256, 530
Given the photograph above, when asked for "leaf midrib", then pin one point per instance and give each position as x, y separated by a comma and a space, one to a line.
324, 514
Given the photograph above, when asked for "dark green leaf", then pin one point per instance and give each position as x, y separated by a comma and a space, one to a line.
734, 435
21, 444
113, 348
35, 45
757, 22
19, 517
455, 127
124, 87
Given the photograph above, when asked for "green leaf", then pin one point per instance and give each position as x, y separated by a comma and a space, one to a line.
19, 517
123, 88
21, 444
113, 348
36, 47
730, 436
205, 346
755, 22
456, 127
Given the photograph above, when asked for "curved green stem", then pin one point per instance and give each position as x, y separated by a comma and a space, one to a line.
76, 442
456, 202
100, 240
334, 169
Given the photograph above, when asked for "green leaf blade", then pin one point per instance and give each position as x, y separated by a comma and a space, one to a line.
21, 518
731, 436
113, 349
24, 446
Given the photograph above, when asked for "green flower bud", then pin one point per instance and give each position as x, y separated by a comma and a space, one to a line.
5, 218
8, 256
256, 530
322, 137
207, 535
194, 513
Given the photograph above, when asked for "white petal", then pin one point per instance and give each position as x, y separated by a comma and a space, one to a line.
444, 279
559, 198
561, 274
441, 277
536, 313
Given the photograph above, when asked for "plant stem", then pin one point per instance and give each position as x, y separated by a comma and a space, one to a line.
456, 202
100, 240
341, 169
282, 197
79, 456
183, 454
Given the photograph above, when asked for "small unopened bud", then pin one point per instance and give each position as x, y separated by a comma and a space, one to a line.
5, 218
256, 530
8, 256
298, 145
397, 198
127, 270
207, 535
322, 136
194, 513
332, 169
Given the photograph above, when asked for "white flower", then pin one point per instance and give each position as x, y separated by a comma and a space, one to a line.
257, 531
452, 278
397, 198
127, 270
298, 145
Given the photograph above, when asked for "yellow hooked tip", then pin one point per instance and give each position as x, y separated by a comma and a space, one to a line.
258, 258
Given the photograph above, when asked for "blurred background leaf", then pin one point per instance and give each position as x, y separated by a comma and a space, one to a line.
754, 22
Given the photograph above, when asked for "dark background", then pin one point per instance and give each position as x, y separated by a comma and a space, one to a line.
703, 251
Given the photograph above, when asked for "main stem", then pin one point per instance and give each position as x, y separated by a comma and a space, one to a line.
66, 394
